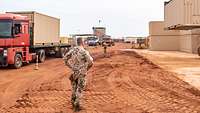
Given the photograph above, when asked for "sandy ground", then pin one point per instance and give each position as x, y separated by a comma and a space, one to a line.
185, 64
121, 82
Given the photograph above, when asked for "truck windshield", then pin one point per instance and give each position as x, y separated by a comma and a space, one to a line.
5, 29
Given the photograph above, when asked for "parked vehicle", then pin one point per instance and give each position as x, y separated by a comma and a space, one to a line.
23, 35
130, 39
93, 41
141, 43
108, 41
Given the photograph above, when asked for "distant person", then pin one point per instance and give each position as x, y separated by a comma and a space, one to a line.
79, 61
105, 46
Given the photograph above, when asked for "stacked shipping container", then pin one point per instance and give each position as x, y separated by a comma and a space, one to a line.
170, 40
190, 41
161, 39
182, 14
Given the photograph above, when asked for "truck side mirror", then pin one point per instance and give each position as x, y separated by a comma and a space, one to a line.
13, 30
17, 35
17, 29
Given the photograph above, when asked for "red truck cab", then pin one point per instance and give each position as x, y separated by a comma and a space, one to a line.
14, 40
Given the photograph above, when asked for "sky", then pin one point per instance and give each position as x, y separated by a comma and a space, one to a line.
120, 17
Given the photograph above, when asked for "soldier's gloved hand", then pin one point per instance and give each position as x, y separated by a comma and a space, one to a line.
71, 78
90, 65
68, 65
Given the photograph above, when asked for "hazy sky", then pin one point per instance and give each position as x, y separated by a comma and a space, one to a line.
121, 17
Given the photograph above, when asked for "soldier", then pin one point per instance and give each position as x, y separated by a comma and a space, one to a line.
105, 46
80, 61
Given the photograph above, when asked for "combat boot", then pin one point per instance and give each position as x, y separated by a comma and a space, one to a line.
76, 107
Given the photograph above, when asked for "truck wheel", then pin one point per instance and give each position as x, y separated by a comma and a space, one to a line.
41, 56
17, 61
198, 51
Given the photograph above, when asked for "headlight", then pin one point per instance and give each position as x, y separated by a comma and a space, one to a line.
5, 52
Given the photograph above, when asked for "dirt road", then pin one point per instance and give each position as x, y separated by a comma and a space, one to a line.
123, 82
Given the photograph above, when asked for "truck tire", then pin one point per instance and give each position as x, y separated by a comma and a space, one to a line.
198, 51
61, 53
18, 61
41, 56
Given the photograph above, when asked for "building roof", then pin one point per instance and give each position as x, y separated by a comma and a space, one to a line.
98, 28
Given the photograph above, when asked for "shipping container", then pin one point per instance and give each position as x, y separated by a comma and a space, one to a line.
190, 32
64, 40
162, 39
156, 28
189, 42
45, 30
168, 40
182, 14
164, 43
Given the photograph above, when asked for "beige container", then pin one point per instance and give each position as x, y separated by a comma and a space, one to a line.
183, 40
189, 43
190, 40
157, 28
64, 40
190, 32
46, 29
182, 14
164, 43
185, 43
161, 39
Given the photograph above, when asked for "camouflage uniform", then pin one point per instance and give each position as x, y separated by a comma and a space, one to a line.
79, 60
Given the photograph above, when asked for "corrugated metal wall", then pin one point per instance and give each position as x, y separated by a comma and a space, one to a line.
174, 13
190, 41
182, 12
